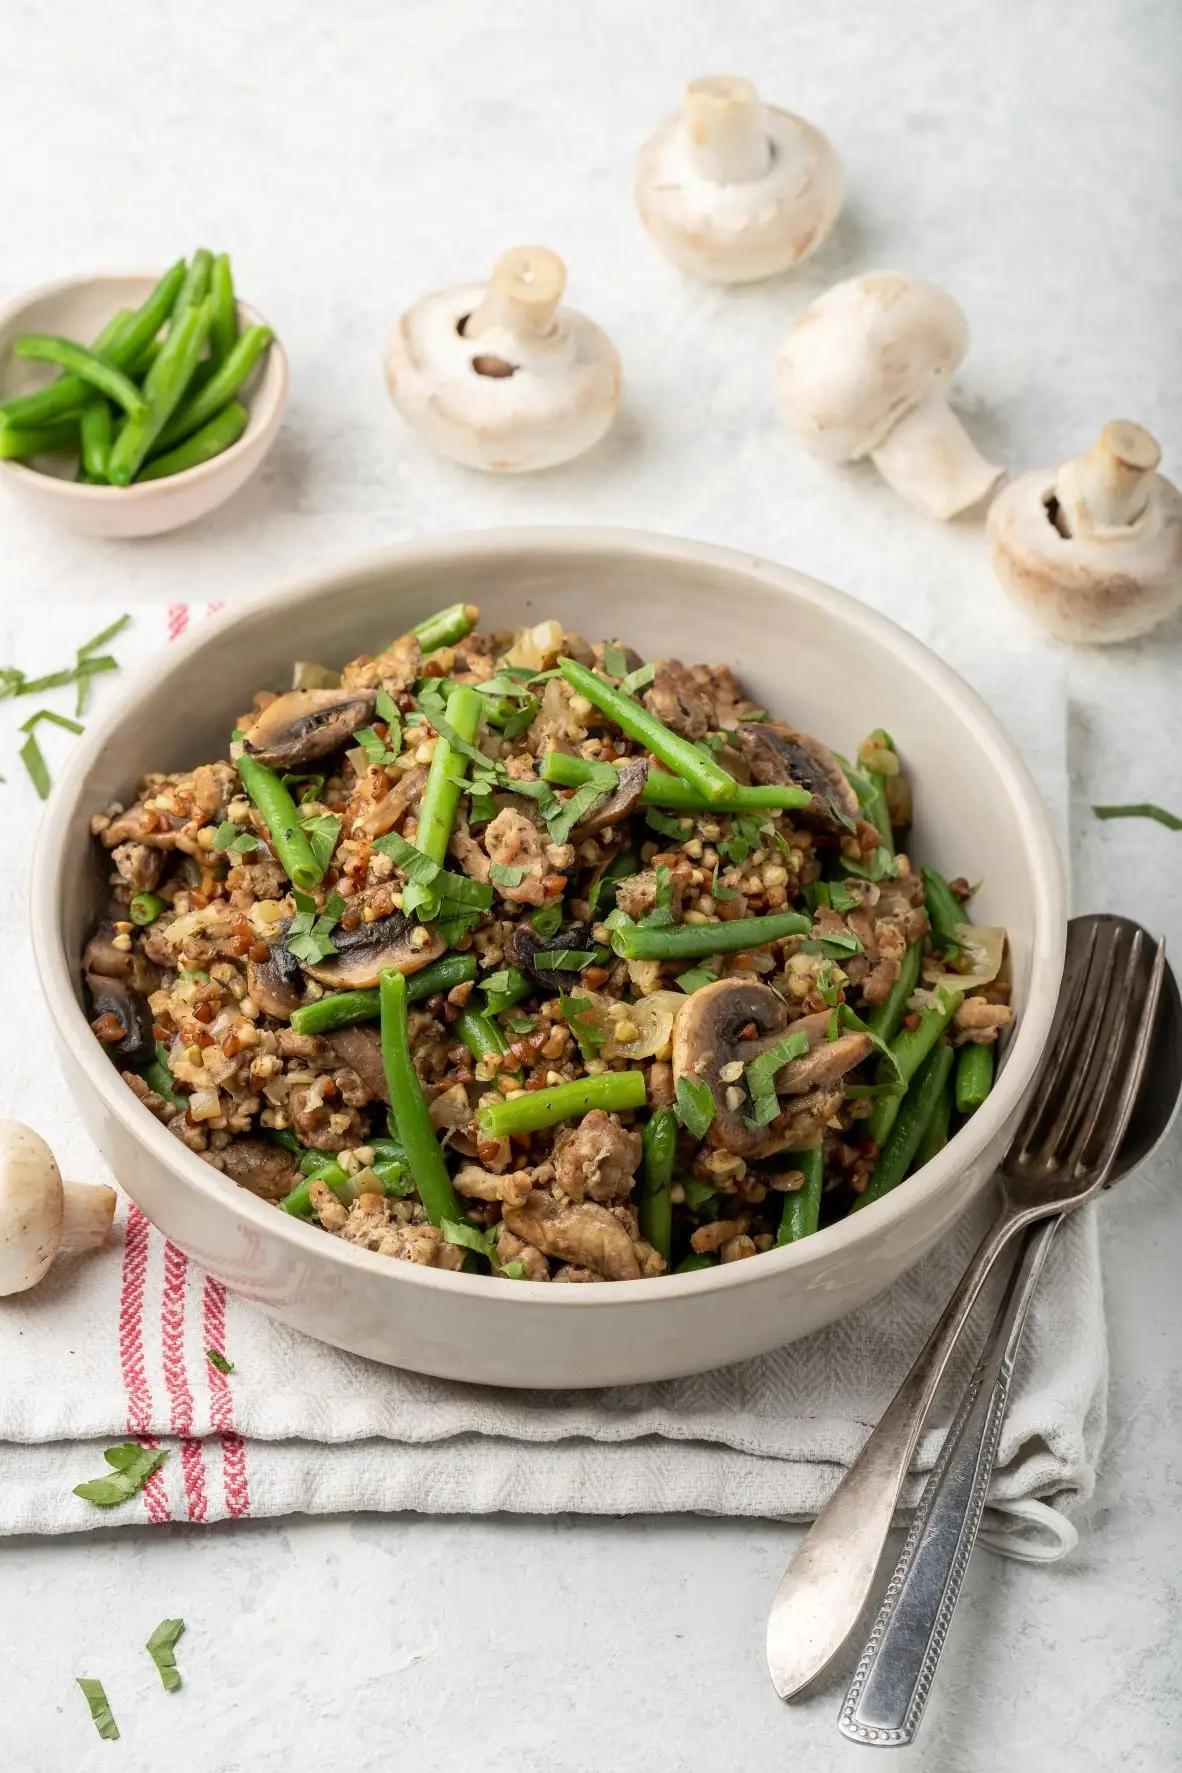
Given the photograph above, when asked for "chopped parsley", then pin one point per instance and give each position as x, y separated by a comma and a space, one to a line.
100, 1709
565, 960
881, 866
571, 811
746, 835
309, 936
694, 1106
502, 990
678, 829
506, 877
698, 1194
309, 786
131, 1465
434, 891
575, 1015
547, 920
378, 750
661, 914
31, 754
717, 890
519, 1024
694, 978
615, 662
840, 897
322, 833
229, 836
603, 891
833, 944
217, 1359
1143, 809
761, 1078
827, 991
638, 679
161, 1647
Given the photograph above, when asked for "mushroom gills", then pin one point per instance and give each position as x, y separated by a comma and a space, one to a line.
135, 1045
364, 954
780, 754
615, 806
276, 984
307, 724
526, 952
361, 1050
101, 957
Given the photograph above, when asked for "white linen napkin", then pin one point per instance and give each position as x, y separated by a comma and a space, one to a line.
116, 1343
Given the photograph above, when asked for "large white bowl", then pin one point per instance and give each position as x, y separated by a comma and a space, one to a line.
814, 656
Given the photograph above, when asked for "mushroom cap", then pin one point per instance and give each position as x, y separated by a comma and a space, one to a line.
307, 724
748, 229
862, 356
364, 954
1107, 585
511, 398
706, 1036
32, 1204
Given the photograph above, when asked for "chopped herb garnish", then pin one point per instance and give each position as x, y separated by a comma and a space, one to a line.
514, 1270
100, 1710
840, 897
881, 866
547, 920
661, 914
678, 829
132, 1466
694, 1106
161, 1647
833, 944
502, 990
1141, 810
322, 833
698, 1194
615, 661
603, 891
695, 978
506, 877
568, 960
618, 920
386, 709
309, 787
826, 990
413, 863
570, 811
637, 679
519, 1024
717, 890
761, 1078
31, 753
376, 748
216, 1359
574, 1013
746, 835
229, 836
309, 937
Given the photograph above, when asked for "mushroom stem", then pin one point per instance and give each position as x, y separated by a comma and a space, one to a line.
87, 1212
724, 121
931, 461
1109, 488
522, 295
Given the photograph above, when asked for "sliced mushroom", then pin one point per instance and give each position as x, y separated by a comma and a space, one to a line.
122, 1021
707, 1037
826, 1061
306, 724
780, 754
277, 983
101, 956
364, 954
259, 1167
589, 1236
614, 807
361, 1050
527, 953
307, 675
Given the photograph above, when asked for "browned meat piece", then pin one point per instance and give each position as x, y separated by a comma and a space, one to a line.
637, 895
720, 1231
511, 1248
320, 1124
298, 1046
467, 851
513, 841
157, 1105
383, 814
978, 1021
101, 957
681, 702
138, 865
479, 1184
361, 1050
587, 1236
395, 669
598, 1159
258, 1166
431, 1043
888, 921
576, 1276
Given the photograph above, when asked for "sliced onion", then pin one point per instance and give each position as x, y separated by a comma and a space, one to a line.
652, 1017
982, 948
203, 1104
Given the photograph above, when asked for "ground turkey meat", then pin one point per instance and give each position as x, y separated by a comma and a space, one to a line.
258, 1166
513, 841
598, 1160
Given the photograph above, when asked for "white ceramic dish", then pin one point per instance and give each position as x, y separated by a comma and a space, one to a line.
801, 648
78, 308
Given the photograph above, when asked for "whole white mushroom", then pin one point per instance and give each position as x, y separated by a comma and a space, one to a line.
500, 376
1093, 551
39, 1213
734, 190
865, 372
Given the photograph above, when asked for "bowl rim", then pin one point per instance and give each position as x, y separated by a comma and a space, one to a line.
403, 560
275, 381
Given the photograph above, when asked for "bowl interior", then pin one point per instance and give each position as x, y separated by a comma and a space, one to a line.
79, 310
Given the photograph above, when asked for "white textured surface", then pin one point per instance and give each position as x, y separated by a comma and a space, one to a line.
351, 159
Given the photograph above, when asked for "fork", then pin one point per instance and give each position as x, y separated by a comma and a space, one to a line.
1083, 1099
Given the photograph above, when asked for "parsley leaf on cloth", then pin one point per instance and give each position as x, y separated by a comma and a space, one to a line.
131, 1465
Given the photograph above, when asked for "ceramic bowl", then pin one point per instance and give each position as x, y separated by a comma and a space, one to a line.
808, 652
79, 308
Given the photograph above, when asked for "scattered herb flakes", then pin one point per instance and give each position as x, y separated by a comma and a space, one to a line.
100, 1709
661, 914
677, 829
376, 748
217, 1359
698, 1194
717, 890
506, 877
1142, 809
638, 679
694, 1107
502, 990
568, 960
547, 920
603, 890
833, 944
161, 1647
36, 765
229, 836
746, 835
841, 899
826, 989
569, 812
460, 1232
322, 833
414, 864
520, 1024
882, 865
514, 1270
131, 1465
761, 1078
618, 919
615, 661
575, 1015
695, 978
309, 936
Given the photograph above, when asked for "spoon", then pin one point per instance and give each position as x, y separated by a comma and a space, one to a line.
1080, 1113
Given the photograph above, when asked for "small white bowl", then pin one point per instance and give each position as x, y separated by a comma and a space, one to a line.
78, 308
817, 658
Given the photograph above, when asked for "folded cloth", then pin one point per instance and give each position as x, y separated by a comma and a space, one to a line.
117, 1343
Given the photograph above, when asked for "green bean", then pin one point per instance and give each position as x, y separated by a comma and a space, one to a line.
694, 1261
96, 372
164, 389
283, 1136
37, 440
446, 626
919, 1104
389, 1176
120, 342
212, 440
441, 796
221, 387
224, 331
157, 1075
632, 717
662, 789
884, 1019
424, 1157
195, 287
974, 1076
278, 812
909, 1049
95, 427
801, 1212
527, 1113
944, 913
517, 989
690, 941
146, 907
482, 1036
875, 808
654, 1202
935, 1134
344, 1008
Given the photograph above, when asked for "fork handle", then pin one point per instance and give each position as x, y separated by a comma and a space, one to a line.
827, 1584
889, 1691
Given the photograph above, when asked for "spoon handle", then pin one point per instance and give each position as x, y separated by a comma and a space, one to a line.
828, 1582
887, 1696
